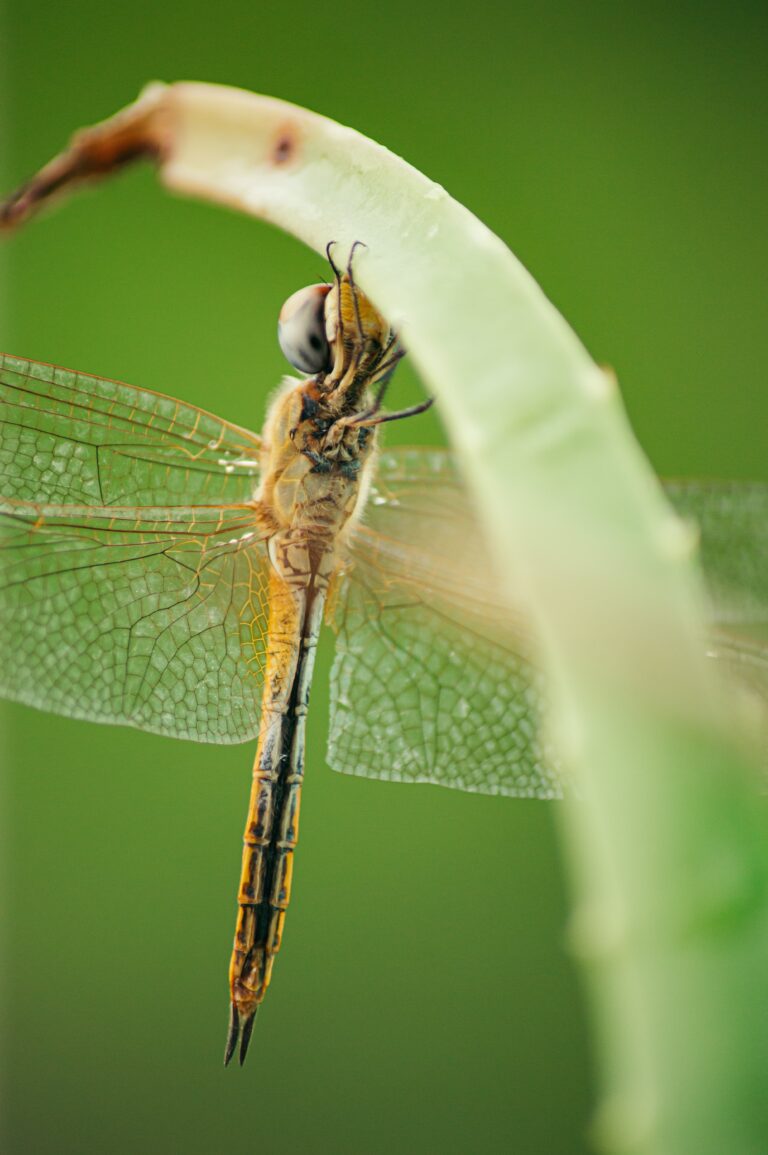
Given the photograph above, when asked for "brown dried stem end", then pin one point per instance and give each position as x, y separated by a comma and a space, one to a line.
141, 131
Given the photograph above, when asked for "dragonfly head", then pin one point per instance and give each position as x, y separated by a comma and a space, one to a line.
335, 333
301, 330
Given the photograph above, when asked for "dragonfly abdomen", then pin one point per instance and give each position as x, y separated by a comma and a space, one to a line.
271, 831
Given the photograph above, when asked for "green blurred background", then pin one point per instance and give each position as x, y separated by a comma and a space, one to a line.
423, 1001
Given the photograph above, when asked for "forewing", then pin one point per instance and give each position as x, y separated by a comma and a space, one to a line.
434, 680
69, 438
154, 618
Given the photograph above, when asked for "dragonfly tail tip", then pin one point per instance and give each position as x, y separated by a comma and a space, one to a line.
233, 1033
246, 1035
240, 1027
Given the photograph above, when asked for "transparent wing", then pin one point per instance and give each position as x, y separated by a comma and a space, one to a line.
733, 523
153, 618
434, 681
67, 438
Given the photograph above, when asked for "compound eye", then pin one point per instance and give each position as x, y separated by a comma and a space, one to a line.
301, 330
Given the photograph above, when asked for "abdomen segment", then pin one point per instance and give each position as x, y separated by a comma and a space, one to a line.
271, 830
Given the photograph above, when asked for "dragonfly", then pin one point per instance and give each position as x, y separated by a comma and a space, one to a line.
163, 568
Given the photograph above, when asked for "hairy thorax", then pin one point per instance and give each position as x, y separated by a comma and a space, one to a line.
316, 468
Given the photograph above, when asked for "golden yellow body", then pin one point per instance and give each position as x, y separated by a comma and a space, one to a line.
317, 454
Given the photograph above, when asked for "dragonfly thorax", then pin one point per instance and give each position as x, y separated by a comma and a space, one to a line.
316, 467
320, 433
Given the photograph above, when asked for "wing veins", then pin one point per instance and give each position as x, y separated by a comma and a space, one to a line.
249, 438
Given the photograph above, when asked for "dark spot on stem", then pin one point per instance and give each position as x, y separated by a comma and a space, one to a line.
285, 148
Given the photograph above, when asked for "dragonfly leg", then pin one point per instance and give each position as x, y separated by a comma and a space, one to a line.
355, 297
380, 418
